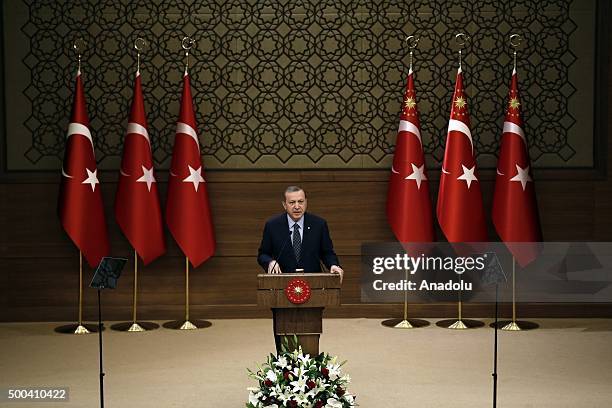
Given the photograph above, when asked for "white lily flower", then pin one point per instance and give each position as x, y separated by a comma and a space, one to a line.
346, 378
299, 385
304, 359
286, 395
333, 403
302, 400
282, 362
253, 399
334, 371
271, 375
313, 393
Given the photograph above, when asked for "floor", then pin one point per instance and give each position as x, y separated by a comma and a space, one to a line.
564, 363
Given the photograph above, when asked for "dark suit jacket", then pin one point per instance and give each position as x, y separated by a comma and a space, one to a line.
316, 245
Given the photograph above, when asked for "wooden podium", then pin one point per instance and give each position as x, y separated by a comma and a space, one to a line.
303, 320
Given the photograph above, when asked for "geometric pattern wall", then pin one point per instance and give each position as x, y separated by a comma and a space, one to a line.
300, 84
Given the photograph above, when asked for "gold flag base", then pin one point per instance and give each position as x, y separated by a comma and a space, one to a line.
405, 323
135, 326
512, 326
459, 324
187, 324
515, 325
77, 329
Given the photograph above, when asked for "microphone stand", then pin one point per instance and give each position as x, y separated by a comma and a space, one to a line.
281, 251
100, 348
495, 351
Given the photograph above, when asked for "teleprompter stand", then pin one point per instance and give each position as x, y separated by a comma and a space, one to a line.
106, 277
494, 275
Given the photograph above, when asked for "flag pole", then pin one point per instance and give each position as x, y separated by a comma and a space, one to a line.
514, 325
187, 325
460, 324
134, 326
187, 44
406, 323
80, 329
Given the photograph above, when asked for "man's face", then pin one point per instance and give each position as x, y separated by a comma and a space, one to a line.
295, 204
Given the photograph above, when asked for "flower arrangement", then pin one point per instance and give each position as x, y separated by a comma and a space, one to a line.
292, 379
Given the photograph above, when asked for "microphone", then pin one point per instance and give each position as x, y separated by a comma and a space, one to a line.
281, 251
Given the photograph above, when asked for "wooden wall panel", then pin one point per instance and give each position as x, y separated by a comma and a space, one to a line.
39, 265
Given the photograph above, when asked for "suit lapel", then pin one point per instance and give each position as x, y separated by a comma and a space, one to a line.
307, 231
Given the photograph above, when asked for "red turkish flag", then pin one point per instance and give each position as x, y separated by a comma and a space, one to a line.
460, 211
137, 208
408, 202
80, 205
187, 210
515, 209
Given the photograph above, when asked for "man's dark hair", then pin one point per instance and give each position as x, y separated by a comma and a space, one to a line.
292, 189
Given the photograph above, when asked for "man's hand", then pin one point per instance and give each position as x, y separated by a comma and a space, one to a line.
338, 270
274, 267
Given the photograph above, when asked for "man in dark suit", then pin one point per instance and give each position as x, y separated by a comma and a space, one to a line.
297, 241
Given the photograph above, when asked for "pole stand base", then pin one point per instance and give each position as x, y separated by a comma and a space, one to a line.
405, 323
459, 324
77, 329
187, 324
515, 325
136, 327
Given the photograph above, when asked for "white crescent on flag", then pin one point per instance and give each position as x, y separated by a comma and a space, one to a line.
65, 174
405, 126
459, 126
513, 128
138, 129
189, 131
79, 129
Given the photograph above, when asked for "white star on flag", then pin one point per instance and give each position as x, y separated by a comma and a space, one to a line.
522, 175
418, 174
195, 177
147, 177
92, 179
468, 175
